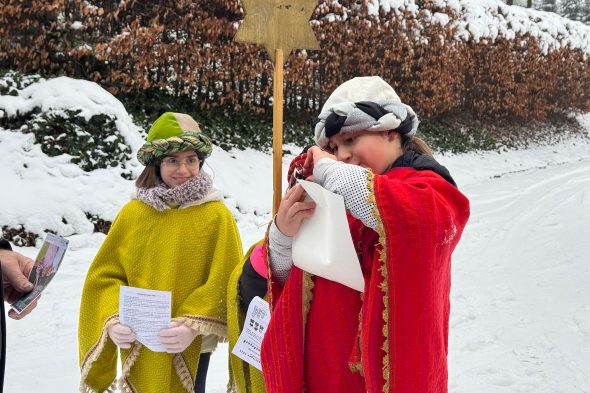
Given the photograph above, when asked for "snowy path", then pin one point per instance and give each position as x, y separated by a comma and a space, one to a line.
521, 294
520, 298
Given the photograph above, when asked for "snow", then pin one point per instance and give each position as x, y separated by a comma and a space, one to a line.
490, 19
520, 297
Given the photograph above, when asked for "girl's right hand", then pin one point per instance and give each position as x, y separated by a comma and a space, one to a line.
121, 335
293, 211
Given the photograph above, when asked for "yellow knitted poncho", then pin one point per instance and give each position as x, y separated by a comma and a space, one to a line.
190, 252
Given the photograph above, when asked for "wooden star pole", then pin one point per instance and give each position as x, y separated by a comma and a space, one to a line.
281, 26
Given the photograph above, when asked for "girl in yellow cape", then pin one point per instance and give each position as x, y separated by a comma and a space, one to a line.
175, 235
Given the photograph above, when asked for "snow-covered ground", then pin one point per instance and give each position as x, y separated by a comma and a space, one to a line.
521, 300
520, 297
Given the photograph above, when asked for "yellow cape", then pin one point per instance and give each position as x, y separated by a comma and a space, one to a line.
190, 252
244, 378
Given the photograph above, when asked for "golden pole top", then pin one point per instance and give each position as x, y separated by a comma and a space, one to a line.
278, 24
281, 26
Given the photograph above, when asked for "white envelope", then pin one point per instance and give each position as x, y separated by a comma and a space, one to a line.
323, 246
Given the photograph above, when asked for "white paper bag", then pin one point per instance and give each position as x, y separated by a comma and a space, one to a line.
323, 246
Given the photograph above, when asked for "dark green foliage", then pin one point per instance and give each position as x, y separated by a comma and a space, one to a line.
227, 128
11, 82
464, 134
92, 143
456, 138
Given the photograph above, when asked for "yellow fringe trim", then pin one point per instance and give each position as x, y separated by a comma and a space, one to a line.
183, 372
204, 325
94, 353
87, 389
125, 386
380, 229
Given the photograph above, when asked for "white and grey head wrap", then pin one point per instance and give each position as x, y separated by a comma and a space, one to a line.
364, 104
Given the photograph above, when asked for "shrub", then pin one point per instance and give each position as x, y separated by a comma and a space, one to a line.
192, 56
92, 143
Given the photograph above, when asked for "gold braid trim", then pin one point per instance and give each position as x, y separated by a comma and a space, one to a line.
183, 372
358, 366
268, 269
306, 296
94, 353
380, 229
205, 325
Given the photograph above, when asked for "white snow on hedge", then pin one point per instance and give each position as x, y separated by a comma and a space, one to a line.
490, 19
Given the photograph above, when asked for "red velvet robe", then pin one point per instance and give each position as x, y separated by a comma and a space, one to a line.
327, 338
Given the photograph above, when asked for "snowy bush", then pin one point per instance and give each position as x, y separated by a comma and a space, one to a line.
92, 143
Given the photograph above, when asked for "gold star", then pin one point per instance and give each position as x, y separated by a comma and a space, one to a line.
278, 24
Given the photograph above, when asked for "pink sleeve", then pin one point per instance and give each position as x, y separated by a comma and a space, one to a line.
258, 261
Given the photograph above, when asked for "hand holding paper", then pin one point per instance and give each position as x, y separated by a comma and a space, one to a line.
48, 260
121, 335
323, 246
293, 211
177, 338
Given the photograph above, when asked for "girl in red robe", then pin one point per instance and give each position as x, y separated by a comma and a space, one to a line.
406, 216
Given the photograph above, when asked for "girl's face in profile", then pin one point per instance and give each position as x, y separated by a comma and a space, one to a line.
178, 168
370, 149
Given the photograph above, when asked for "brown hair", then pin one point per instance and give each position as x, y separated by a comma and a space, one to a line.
150, 176
416, 144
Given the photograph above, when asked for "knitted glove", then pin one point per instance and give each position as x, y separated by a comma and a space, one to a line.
177, 338
121, 335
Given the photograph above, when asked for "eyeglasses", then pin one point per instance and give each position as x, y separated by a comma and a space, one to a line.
175, 163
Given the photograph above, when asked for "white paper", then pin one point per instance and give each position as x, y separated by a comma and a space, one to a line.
146, 312
248, 345
323, 246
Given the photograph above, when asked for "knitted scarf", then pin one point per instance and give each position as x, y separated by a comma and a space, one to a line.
163, 197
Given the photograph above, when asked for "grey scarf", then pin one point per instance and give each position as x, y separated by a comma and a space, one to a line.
162, 197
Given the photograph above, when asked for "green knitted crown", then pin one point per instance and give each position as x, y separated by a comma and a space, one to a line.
172, 133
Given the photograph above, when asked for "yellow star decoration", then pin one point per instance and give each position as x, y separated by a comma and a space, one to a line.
278, 24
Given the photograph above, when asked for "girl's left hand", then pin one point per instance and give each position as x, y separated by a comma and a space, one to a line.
314, 154
177, 337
